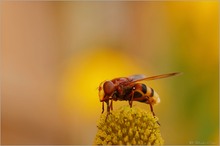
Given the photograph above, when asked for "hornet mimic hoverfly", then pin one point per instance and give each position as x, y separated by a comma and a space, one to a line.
128, 89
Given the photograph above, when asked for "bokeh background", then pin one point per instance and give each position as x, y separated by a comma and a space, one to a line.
55, 54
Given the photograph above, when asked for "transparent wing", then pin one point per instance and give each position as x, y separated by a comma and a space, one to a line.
137, 78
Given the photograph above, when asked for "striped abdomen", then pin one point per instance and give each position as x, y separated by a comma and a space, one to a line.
143, 93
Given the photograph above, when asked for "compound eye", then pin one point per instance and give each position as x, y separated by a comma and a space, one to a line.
108, 87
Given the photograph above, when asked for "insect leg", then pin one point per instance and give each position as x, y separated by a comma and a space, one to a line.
131, 100
111, 105
108, 109
103, 107
151, 108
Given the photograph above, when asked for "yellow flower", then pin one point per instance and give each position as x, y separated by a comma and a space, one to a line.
126, 126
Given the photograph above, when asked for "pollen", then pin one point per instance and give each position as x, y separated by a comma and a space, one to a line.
128, 126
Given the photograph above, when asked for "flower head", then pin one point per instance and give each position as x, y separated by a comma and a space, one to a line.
128, 126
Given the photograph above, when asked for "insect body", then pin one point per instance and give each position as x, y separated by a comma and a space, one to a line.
128, 89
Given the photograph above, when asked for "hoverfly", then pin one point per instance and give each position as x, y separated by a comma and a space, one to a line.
128, 89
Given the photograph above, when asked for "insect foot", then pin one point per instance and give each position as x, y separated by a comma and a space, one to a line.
128, 126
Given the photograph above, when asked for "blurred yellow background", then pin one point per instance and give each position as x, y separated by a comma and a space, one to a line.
55, 54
